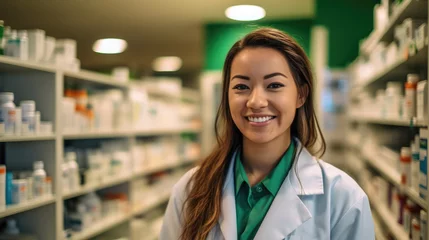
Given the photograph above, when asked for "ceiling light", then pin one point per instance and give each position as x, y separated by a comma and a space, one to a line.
245, 12
167, 64
109, 45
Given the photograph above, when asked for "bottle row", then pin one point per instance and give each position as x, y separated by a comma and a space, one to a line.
409, 38
34, 45
106, 110
19, 187
398, 101
406, 213
22, 120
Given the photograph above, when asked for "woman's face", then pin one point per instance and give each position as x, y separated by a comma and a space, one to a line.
263, 96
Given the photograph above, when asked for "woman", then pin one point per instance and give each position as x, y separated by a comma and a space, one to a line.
261, 181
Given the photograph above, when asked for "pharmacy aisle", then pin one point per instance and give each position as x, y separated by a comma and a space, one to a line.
388, 119
87, 156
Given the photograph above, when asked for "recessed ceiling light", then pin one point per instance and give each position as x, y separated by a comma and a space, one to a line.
167, 64
109, 45
245, 12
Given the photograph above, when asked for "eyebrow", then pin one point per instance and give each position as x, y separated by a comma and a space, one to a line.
265, 77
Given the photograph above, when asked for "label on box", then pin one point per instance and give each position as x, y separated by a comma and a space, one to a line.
423, 167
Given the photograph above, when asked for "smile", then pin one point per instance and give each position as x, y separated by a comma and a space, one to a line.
260, 119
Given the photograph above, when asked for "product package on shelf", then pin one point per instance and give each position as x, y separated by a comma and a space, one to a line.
93, 166
20, 187
156, 104
83, 212
100, 111
23, 120
35, 46
424, 134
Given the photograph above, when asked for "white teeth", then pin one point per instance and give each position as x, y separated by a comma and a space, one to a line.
259, 119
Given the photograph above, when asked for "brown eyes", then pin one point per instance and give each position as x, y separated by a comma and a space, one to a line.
240, 87
275, 85
270, 86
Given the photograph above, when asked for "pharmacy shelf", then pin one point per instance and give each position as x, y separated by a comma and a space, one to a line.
151, 236
100, 227
156, 225
11, 64
138, 210
190, 95
94, 78
394, 177
386, 121
164, 167
165, 131
14, 209
128, 133
97, 135
396, 229
379, 231
408, 9
95, 187
52, 78
401, 67
27, 138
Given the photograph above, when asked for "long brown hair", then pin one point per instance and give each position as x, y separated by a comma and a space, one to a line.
203, 204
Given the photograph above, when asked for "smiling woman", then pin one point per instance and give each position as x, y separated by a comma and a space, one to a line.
246, 188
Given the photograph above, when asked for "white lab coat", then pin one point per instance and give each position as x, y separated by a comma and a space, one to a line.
329, 205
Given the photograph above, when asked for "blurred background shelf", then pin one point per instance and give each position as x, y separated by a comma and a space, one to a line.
165, 167
386, 121
402, 66
141, 209
99, 227
391, 223
407, 9
95, 78
29, 205
27, 138
10, 64
94, 187
394, 177
97, 134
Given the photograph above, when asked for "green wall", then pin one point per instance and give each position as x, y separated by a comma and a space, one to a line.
348, 21
219, 37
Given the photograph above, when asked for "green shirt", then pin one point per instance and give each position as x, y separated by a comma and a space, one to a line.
252, 203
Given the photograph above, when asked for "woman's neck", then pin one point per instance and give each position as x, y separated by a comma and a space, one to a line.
259, 159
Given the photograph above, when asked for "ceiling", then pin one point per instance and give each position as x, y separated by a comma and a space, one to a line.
151, 28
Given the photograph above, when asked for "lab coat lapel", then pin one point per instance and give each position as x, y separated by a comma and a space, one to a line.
288, 212
227, 218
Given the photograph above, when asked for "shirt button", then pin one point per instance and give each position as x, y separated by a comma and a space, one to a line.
258, 189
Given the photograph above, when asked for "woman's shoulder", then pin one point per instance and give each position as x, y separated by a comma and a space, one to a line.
340, 185
179, 189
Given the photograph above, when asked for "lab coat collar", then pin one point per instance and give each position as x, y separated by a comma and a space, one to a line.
287, 212
227, 218
305, 175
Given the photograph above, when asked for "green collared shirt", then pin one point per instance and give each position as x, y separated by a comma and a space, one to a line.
252, 203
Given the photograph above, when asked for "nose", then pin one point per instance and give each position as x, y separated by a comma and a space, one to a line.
257, 99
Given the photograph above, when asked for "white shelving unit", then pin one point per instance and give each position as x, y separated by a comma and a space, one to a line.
140, 209
44, 84
390, 174
401, 66
400, 131
387, 121
409, 8
94, 187
14, 209
384, 213
113, 221
102, 226
27, 138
